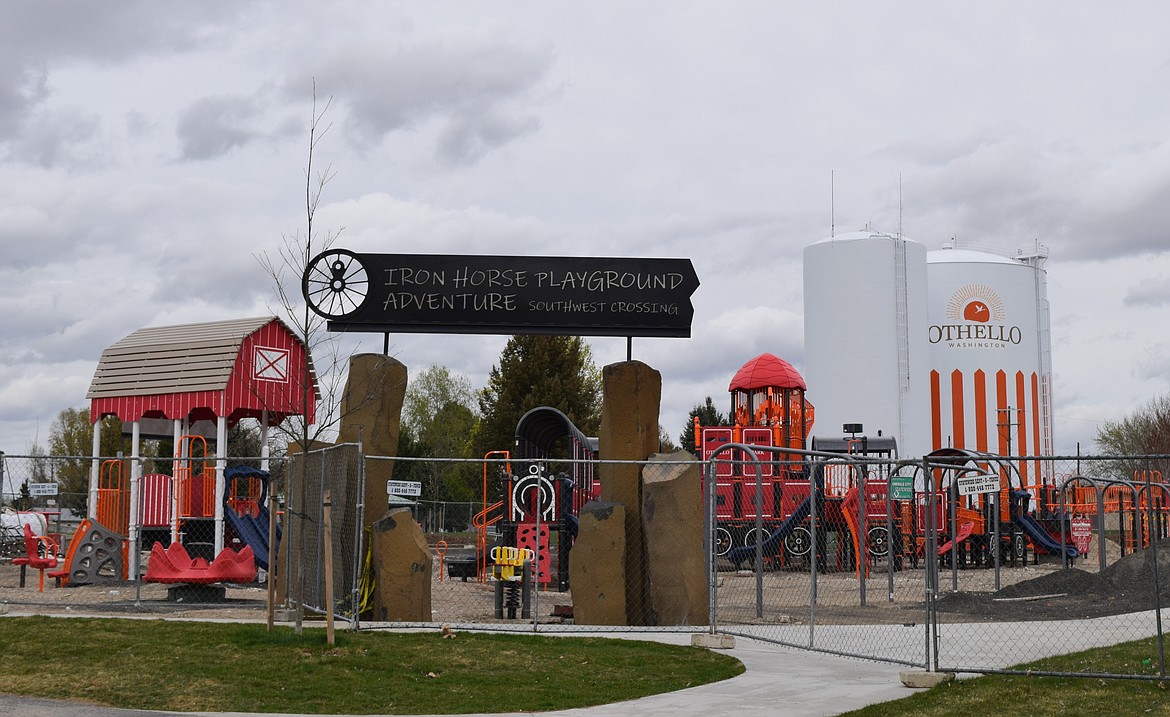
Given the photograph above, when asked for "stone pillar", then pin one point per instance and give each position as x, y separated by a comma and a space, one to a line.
597, 567
402, 564
631, 394
672, 516
371, 410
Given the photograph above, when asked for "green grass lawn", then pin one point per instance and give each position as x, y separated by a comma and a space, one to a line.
1027, 696
191, 666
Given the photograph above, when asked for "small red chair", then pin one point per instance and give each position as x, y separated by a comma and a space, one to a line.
40, 553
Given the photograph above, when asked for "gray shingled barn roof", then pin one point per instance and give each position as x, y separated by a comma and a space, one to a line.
172, 359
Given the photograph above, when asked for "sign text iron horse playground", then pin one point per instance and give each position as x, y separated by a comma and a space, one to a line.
435, 293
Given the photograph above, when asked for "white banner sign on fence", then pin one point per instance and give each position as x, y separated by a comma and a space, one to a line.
404, 487
974, 485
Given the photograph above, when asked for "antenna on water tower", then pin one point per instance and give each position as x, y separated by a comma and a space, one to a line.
832, 203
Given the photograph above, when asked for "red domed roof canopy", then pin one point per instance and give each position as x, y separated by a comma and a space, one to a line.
766, 370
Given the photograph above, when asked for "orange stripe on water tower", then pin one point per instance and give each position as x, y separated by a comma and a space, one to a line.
980, 399
1021, 448
957, 418
1002, 420
935, 411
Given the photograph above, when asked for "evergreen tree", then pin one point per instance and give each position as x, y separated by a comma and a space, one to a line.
708, 415
24, 500
665, 442
535, 371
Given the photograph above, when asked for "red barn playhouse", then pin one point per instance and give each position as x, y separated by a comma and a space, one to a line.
180, 381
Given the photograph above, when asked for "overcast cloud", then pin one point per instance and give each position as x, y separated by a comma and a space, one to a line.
150, 151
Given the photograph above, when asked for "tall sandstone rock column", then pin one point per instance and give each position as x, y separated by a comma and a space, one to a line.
672, 513
631, 396
597, 565
403, 564
371, 411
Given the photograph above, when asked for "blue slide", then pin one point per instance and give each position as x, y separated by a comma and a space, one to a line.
771, 544
1040, 537
252, 530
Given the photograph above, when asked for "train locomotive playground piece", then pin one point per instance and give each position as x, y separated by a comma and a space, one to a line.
850, 503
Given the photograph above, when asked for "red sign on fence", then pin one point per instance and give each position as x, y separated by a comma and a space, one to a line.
1082, 534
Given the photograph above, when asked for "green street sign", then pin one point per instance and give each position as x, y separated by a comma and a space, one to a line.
901, 487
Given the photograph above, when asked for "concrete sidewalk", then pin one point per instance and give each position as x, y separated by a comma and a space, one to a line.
778, 681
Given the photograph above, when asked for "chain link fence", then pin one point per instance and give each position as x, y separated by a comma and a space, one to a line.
121, 535
320, 567
969, 562
956, 561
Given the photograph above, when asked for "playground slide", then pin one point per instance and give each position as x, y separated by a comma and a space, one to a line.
965, 530
1040, 537
254, 532
771, 544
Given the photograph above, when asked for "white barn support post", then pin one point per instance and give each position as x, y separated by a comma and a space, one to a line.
264, 452
220, 483
94, 470
174, 517
135, 497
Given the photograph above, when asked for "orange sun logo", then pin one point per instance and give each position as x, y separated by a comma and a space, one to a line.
977, 311
975, 302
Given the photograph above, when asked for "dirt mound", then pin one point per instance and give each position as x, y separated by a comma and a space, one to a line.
1072, 581
1125, 586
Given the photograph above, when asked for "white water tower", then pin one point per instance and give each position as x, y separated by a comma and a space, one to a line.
865, 332
990, 351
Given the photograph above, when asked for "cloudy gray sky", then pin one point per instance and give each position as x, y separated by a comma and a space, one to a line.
150, 151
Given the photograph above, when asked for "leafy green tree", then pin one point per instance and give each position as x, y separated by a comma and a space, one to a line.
708, 415
1144, 432
428, 392
71, 434
438, 421
409, 446
534, 371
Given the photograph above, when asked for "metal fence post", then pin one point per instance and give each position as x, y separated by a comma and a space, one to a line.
1153, 532
709, 546
359, 540
930, 565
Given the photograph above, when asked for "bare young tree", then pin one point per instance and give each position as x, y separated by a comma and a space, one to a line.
324, 367
324, 359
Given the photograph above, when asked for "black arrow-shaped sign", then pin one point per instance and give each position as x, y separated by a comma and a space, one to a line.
437, 293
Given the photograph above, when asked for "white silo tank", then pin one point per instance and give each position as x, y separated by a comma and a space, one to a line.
990, 351
865, 321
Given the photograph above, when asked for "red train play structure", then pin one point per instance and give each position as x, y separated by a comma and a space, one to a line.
769, 409
848, 503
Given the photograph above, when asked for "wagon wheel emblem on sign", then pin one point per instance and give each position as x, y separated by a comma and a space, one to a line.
335, 284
